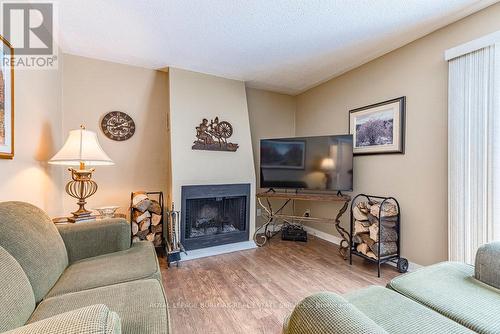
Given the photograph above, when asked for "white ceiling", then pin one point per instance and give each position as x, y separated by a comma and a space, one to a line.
281, 45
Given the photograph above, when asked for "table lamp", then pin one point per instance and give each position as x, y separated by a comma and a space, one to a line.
328, 166
81, 149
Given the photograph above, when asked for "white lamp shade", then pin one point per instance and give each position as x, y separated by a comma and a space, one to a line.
81, 146
328, 164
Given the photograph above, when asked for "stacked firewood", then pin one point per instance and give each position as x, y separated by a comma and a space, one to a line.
146, 219
369, 218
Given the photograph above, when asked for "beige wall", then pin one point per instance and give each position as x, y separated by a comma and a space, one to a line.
272, 115
92, 88
418, 178
28, 177
194, 96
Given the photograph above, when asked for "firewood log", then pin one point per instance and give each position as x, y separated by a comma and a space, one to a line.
142, 234
137, 197
144, 225
155, 207
388, 210
362, 248
143, 205
358, 215
156, 228
359, 227
139, 216
135, 228
155, 219
150, 237
140, 201
387, 234
366, 239
157, 240
386, 248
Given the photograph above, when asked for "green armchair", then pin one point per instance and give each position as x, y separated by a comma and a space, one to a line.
86, 275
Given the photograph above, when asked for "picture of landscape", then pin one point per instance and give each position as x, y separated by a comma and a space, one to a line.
375, 129
379, 128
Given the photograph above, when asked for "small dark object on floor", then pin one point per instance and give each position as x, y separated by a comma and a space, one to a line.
293, 233
173, 257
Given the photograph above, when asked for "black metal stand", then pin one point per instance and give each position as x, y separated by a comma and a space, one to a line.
401, 263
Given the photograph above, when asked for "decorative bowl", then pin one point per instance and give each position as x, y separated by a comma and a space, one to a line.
107, 211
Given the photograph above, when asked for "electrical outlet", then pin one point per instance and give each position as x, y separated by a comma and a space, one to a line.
307, 213
259, 212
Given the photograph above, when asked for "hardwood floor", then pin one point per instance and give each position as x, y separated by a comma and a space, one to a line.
252, 291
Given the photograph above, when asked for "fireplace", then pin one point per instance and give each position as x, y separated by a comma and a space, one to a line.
214, 215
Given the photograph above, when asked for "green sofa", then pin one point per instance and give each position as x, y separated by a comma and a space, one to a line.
447, 297
76, 278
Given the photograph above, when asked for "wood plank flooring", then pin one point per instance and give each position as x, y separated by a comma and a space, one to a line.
252, 291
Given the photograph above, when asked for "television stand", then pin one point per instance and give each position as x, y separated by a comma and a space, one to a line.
276, 218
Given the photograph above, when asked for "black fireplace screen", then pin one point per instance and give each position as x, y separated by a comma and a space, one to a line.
215, 216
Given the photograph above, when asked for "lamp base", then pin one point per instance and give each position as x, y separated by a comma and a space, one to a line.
81, 187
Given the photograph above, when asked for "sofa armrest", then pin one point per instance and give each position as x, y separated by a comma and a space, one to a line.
95, 319
329, 313
88, 239
487, 268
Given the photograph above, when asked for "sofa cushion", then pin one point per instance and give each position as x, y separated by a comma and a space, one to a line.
398, 314
487, 268
95, 319
329, 313
29, 235
17, 300
137, 262
450, 289
141, 305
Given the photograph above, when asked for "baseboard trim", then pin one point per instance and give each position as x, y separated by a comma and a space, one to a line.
336, 240
217, 250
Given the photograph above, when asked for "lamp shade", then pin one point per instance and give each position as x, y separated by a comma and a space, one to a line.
81, 146
327, 164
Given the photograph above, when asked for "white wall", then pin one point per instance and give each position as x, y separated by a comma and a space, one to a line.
272, 115
194, 96
91, 88
419, 177
37, 115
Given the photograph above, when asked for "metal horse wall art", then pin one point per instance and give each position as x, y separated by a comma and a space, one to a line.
213, 136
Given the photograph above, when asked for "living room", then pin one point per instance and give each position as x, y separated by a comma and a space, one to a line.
250, 167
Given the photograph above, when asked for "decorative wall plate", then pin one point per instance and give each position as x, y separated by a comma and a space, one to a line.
118, 126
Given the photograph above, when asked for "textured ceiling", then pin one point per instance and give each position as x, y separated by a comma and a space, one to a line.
286, 46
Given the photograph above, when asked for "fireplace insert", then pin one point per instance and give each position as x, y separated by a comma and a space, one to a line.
214, 215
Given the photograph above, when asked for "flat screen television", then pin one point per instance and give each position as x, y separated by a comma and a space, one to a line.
311, 163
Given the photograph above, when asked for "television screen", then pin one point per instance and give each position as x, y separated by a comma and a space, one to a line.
313, 163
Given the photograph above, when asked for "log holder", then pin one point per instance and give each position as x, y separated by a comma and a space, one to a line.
400, 262
159, 198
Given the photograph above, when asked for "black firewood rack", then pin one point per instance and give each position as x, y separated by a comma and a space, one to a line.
158, 195
401, 263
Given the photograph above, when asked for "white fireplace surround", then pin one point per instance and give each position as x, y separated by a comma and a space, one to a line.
193, 97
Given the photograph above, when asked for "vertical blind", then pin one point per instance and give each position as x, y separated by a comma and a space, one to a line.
473, 152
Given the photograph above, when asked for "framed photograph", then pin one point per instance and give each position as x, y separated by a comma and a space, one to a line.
283, 154
6, 101
379, 128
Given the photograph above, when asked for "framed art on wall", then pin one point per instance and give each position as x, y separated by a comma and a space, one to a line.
6, 101
379, 128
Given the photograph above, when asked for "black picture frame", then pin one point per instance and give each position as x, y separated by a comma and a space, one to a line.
396, 148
